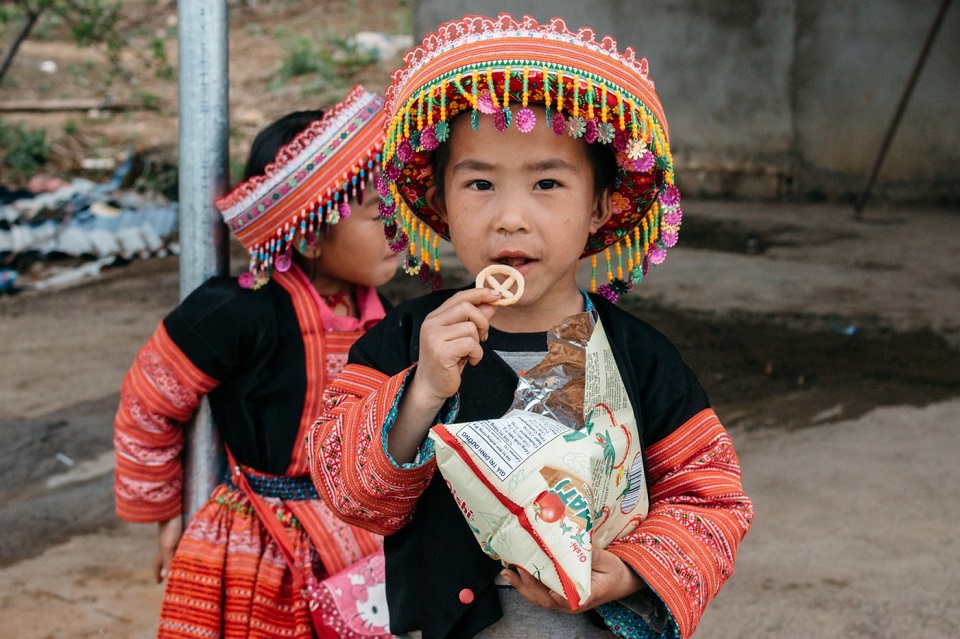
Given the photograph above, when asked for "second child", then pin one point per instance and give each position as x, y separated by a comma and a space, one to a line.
263, 347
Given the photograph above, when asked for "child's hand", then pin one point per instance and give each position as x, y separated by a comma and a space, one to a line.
170, 533
450, 337
610, 579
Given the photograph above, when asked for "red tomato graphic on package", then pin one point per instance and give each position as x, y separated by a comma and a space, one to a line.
549, 507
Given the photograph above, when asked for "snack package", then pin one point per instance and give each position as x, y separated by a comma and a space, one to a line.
541, 494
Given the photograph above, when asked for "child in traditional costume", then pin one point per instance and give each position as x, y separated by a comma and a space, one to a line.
263, 347
531, 146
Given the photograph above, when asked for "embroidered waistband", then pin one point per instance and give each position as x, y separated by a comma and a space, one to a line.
279, 486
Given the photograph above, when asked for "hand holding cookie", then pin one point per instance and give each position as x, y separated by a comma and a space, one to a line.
504, 279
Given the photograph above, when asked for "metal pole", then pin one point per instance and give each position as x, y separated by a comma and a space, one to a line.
901, 107
202, 36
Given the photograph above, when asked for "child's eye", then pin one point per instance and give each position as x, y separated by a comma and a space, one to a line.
547, 185
480, 185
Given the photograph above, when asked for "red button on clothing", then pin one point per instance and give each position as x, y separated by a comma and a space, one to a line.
466, 596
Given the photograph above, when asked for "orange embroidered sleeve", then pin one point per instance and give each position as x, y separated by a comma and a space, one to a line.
348, 462
160, 392
686, 547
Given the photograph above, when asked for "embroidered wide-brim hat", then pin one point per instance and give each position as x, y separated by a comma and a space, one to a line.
308, 185
500, 67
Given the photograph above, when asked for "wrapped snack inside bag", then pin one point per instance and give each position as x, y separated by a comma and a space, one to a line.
561, 473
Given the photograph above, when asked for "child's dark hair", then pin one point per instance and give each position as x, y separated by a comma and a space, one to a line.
272, 138
601, 158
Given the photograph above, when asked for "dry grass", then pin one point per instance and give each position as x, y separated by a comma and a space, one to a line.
284, 55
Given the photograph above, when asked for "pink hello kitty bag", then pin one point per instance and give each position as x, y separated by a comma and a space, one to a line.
351, 604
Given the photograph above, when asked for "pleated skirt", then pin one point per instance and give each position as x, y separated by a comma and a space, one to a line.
229, 579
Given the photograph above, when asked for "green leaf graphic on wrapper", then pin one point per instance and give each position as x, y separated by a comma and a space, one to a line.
499, 537
504, 540
577, 462
574, 435
626, 489
488, 549
609, 454
588, 423
517, 478
580, 540
493, 521
587, 429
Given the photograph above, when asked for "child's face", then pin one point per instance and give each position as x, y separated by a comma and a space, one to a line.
523, 199
355, 250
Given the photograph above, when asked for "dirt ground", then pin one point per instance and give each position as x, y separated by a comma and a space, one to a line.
829, 347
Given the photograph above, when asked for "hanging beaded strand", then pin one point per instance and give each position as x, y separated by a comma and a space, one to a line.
603, 103
443, 99
546, 94
621, 119
525, 96
420, 110
576, 96
589, 98
619, 261
506, 87
425, 245
492, 89
430, 105
559, 91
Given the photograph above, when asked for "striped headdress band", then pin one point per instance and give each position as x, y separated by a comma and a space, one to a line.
309, 184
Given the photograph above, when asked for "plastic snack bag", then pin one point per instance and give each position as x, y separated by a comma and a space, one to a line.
561, 473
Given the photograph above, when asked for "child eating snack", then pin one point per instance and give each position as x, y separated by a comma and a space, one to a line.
530, 146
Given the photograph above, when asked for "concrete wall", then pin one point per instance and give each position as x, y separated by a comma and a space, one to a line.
783, 97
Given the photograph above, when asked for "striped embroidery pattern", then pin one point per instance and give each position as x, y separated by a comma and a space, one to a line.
686, 548
159, 393
229, 579
377, 495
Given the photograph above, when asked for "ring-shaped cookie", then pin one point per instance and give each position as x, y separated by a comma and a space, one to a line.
511, 276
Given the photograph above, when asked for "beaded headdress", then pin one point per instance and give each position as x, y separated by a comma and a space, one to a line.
308, 186
500, 67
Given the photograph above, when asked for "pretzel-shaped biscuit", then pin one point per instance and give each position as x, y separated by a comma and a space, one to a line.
511, 275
